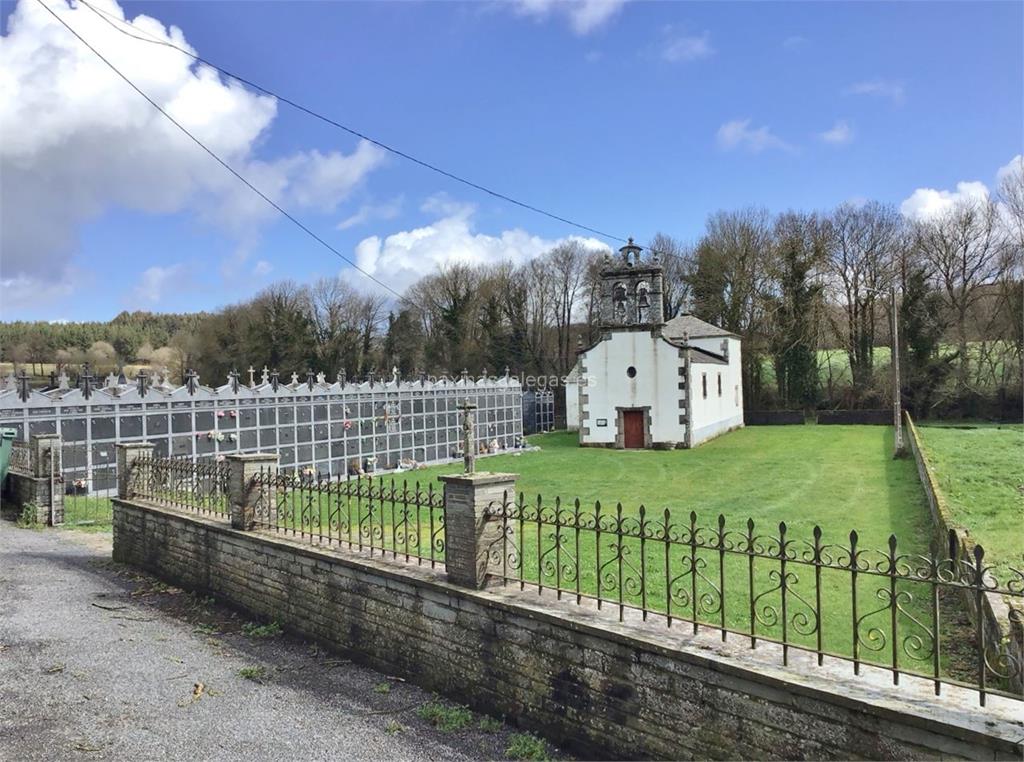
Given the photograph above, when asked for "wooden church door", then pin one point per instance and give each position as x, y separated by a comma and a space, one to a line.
633, 429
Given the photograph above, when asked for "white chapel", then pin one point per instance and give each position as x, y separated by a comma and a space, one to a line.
651, 383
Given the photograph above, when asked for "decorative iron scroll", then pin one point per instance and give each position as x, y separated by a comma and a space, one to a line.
388, 517
196, 486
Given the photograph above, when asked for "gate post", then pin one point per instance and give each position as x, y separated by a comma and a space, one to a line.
470, 529
127, 454
48, 493
243, 496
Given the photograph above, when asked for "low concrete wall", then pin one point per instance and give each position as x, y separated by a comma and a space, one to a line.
773, 417
1004, 627
857, 417
599, 687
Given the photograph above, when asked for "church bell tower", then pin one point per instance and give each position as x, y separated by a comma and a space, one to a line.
631, 290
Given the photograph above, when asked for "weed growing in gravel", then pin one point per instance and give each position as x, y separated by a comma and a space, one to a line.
526, 746
206, 629
393, 727
490, 724
447, 719
253, 673
382, 688
29, 518
254, 630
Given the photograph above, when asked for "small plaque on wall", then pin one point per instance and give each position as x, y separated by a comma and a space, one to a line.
602, 422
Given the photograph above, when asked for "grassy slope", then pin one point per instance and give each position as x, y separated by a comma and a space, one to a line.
981, 472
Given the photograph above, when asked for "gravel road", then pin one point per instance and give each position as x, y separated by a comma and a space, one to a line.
100, 662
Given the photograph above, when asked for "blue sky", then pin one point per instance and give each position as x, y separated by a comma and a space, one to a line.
631, 117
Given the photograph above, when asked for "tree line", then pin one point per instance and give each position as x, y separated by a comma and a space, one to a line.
813, 295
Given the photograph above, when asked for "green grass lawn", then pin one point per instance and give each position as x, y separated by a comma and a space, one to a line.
88, 513
980, 470
838, 477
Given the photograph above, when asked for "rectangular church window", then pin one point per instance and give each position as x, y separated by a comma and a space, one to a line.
719, 384
704, 384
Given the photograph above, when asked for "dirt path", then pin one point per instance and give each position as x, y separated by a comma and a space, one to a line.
98, 662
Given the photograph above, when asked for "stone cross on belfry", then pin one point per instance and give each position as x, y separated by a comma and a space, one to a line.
264, 376
468, 437
252, 377
233, 381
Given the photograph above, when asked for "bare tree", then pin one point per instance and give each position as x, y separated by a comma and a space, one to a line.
860, 270
566, 268
965, 251
677, 263
730, 278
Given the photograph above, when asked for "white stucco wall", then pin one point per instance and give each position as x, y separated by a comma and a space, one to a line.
656, 385
715, 414
572, 405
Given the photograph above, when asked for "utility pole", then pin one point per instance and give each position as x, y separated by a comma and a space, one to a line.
897, 402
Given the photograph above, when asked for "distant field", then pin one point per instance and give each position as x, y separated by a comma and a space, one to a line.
980, 469
834, 364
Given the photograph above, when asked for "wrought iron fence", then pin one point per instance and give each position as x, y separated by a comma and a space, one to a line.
891, 609
364, 514
196, 486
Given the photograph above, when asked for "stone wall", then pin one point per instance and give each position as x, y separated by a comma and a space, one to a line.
599, 687
1004, 626
35, 479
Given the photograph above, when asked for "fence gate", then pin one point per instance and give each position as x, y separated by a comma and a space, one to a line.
89, 480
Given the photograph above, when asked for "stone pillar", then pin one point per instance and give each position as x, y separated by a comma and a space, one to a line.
469, 531
243, 495
127, 454
48, 494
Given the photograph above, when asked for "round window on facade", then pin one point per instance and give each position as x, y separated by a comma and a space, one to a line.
631, 371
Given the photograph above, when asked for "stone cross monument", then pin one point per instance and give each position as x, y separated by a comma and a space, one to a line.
468, 437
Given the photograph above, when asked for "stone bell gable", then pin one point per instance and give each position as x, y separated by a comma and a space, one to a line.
631, 290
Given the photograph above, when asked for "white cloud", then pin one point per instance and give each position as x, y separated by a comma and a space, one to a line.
840, 133
408, 255
368, 212
155, 281
927, 203
794, 41
879, 88
262, 269
78, 141
679, 48
584, 16
1016, 164
739, 134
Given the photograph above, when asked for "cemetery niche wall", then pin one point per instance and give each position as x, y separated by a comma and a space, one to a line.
315, 426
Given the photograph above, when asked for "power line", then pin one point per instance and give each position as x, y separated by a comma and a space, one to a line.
218, 159
110, 18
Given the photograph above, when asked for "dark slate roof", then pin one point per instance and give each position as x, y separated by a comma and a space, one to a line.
693, 327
